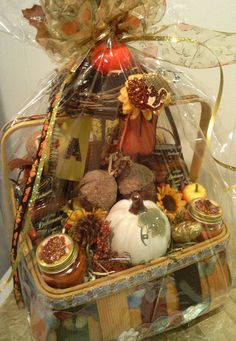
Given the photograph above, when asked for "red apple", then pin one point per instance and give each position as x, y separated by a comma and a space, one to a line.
194, 191
106, 59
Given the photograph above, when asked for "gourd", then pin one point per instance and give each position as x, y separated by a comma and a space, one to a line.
139, 228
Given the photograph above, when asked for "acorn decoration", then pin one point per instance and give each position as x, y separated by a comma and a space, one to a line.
137, 178
186, 231
97, 189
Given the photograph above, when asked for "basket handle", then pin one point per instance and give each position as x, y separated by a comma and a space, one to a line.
33, 121
200, 145
175, 133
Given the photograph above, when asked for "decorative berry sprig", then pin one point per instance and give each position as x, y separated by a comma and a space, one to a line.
103, 243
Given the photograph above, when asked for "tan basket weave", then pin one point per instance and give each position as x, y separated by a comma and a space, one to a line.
111, 293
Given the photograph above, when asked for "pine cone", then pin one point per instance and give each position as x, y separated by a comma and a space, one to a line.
86, 230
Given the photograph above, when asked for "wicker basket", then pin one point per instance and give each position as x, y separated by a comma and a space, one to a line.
113, 297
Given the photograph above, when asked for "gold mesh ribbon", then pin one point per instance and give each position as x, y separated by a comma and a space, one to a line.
67, 28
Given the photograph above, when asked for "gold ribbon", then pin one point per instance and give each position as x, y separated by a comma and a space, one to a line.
46, 150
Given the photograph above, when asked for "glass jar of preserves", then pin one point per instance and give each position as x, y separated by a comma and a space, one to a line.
209, 214
61, 262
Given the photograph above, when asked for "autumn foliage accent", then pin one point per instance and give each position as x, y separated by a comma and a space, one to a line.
105, 260
103, 245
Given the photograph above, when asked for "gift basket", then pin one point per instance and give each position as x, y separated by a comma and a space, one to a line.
119, 231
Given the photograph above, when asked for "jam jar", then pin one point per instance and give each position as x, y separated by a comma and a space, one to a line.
209, 214
61, 262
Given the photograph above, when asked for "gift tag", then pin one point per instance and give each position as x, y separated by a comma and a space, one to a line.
73, 148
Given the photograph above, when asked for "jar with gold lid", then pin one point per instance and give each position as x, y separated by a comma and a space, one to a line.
62, 263
209, 214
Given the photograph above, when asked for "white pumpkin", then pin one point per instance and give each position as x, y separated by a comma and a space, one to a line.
139, 228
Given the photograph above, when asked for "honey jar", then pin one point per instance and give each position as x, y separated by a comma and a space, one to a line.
209, 214
61, 262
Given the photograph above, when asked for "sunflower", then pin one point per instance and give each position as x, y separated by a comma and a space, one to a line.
169, 199
140, 98
74, 216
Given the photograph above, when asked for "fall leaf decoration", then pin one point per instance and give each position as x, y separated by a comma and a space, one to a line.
112, 145
19, 163
36, 18
25, 163
118, 163
69, 28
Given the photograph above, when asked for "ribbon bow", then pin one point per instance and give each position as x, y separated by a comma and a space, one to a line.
70, 28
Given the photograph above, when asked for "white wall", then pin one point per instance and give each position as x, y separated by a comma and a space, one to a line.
21, 68
22, 65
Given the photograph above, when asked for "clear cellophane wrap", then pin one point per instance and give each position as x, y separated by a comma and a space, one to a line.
122, 217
